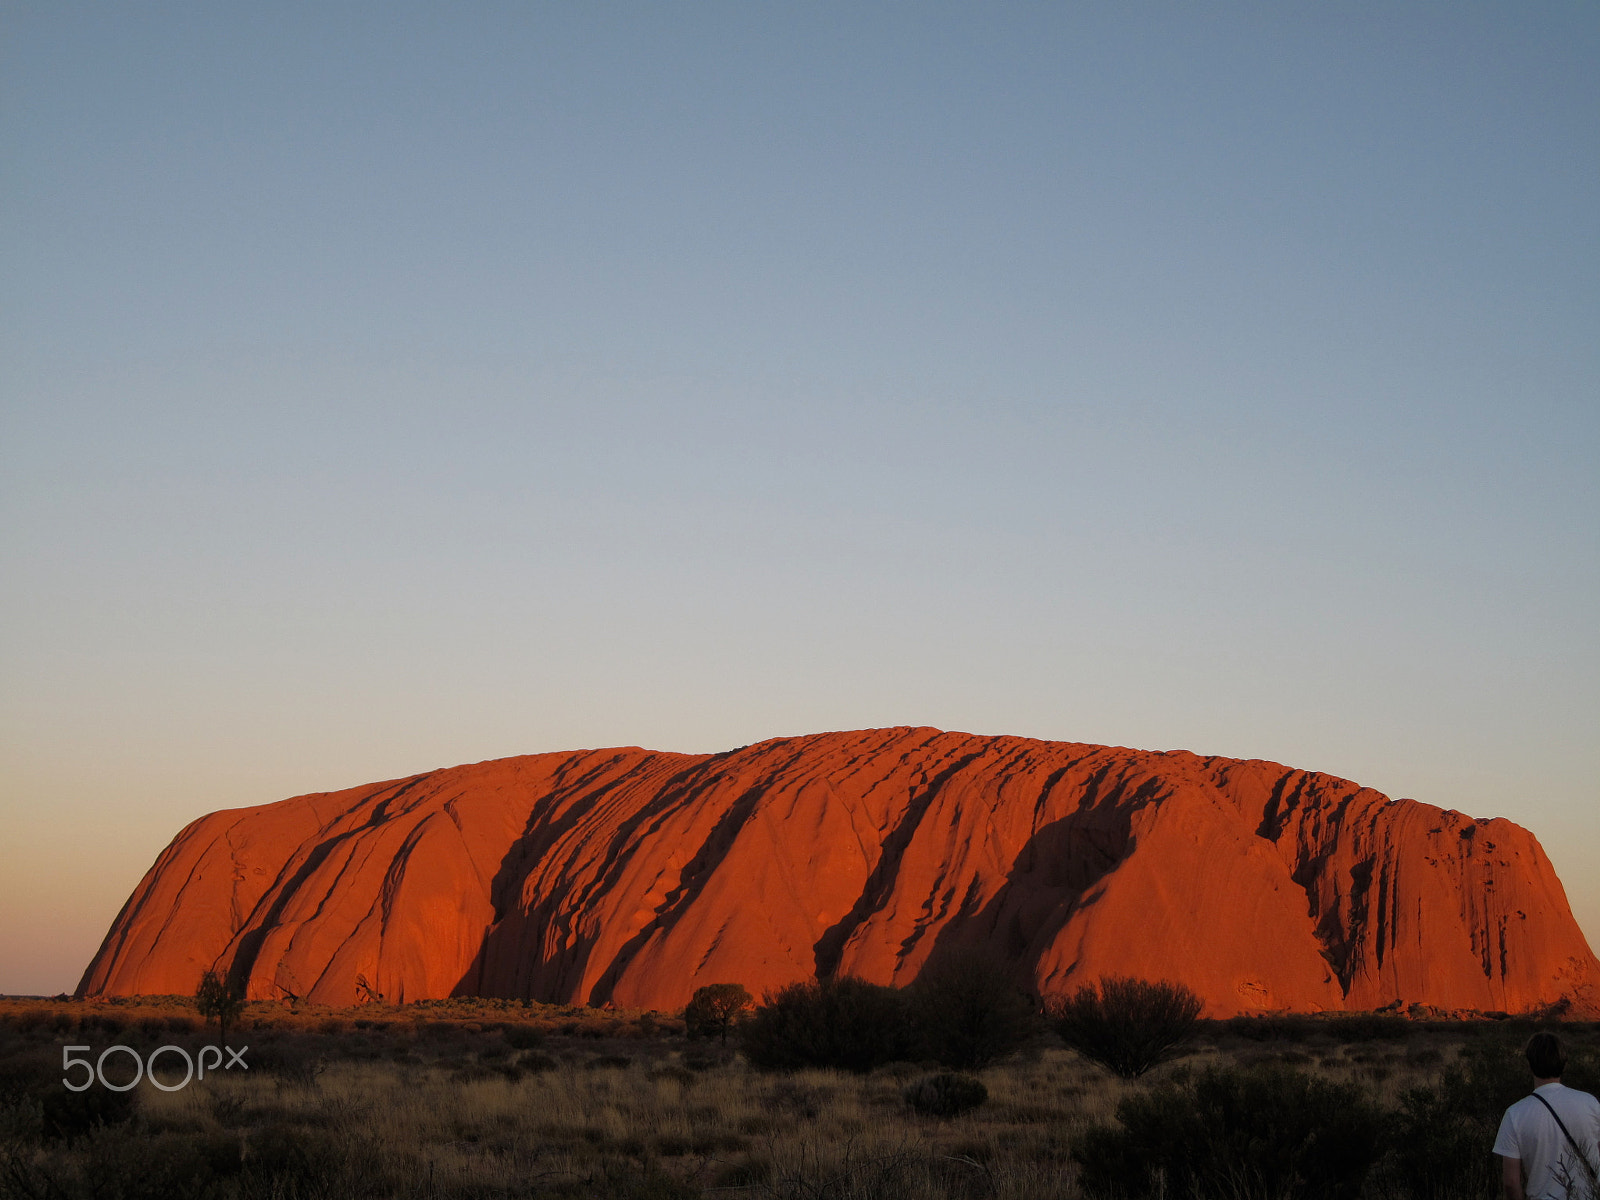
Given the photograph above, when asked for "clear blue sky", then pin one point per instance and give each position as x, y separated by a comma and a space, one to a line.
389, 386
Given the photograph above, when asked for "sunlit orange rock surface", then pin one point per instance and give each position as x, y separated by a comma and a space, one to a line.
634, 877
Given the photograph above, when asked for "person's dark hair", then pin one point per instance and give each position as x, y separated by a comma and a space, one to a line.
1546, 1058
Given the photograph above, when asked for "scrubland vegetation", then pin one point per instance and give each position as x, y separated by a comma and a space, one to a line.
491, 1099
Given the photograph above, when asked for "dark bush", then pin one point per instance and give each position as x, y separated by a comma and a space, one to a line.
714, 1009
1369, 1027
946, 1095
968, 1010
291, 1062
524, 1037
108, 1023
21, 1124
71, 1114
840, 1022
1244, 1135
1128, 1025
707, 1061
1273, 1027
1440, 1152
26, 1020
31, 1082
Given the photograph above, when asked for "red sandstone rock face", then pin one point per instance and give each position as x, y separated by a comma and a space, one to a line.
635, 877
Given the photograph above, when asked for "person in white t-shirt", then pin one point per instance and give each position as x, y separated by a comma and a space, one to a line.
1549, 1142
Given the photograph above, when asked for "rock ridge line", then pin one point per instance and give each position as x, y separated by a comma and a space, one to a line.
632, 877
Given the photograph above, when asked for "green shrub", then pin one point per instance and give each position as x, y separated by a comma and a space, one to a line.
714, 1009
841, 1022
1128, 1025
946, 1095
1233, 1134
968, 1010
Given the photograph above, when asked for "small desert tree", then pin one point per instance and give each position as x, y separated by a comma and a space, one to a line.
1128, 1025
218, 998
968, 1009
840, 1022
714, 1008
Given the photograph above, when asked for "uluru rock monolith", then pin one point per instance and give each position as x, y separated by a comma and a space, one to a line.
633, 877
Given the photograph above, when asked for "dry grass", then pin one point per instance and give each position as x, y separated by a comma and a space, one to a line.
497, 1099
459, 1130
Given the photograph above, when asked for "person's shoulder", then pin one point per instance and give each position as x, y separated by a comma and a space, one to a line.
1520, 1112
1573, 1099
1513, 1129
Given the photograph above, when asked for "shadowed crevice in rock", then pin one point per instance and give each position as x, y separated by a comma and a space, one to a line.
515, 950
249, 942
829, 949
692, 882
1055, 874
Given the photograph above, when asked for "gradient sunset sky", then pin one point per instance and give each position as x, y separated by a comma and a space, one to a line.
389, 386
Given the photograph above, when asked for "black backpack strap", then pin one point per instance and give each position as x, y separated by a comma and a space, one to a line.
1571, 1141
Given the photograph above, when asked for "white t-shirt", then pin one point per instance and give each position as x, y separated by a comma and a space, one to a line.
1528, 1132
